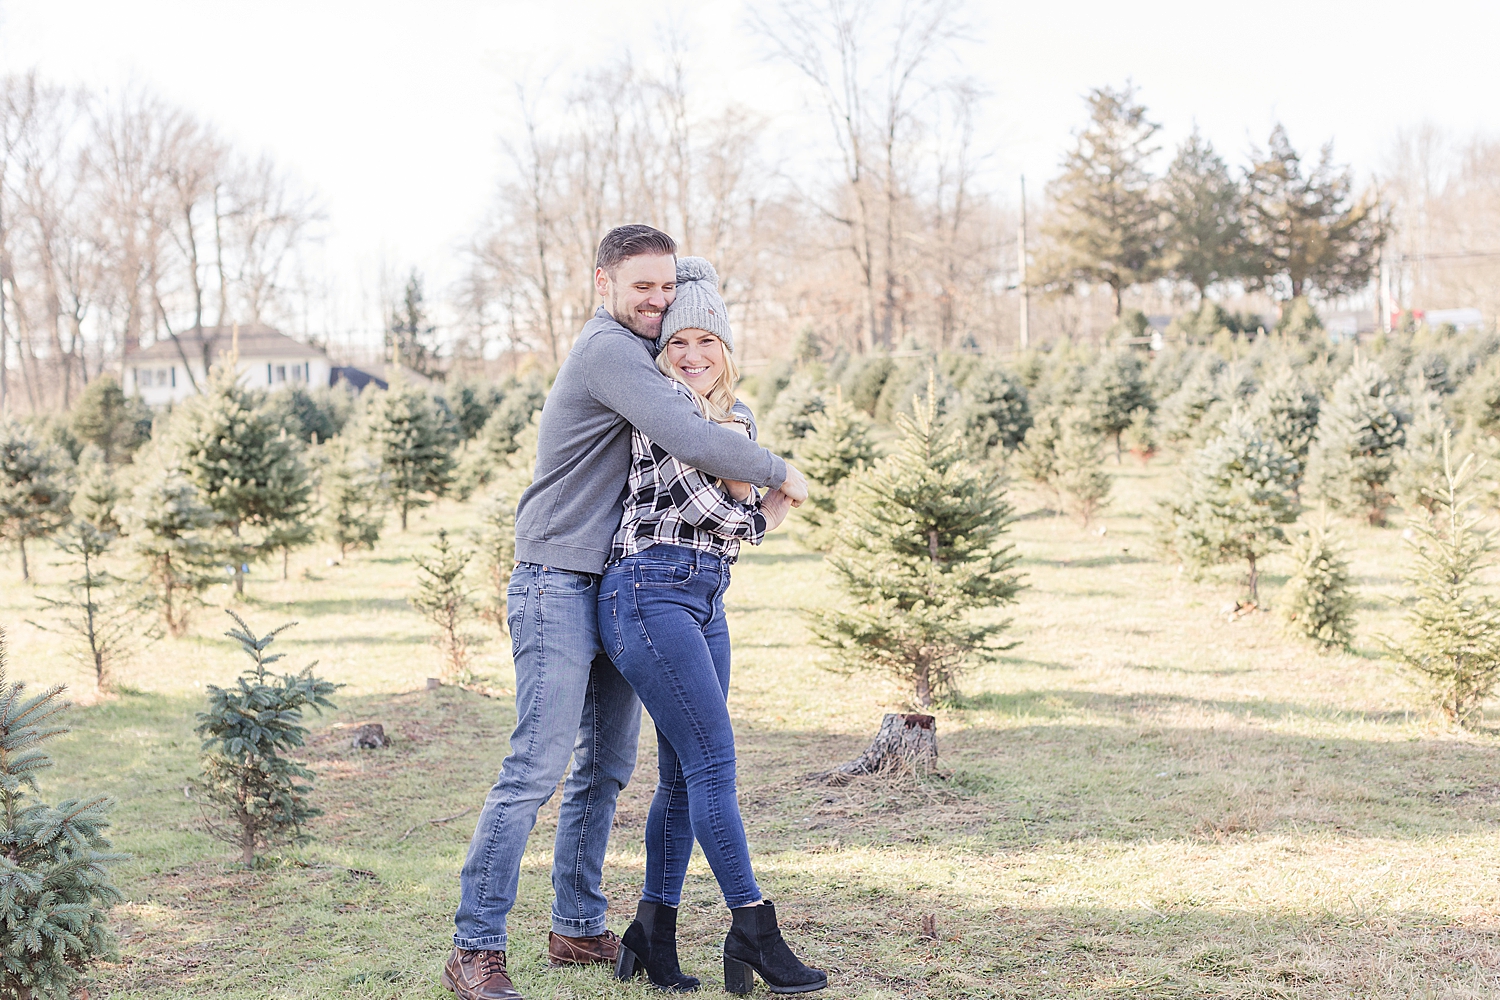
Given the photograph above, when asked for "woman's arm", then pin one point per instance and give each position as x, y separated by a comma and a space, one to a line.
743, 492
702, 504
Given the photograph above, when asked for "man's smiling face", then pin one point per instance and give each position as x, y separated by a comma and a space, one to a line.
638, 292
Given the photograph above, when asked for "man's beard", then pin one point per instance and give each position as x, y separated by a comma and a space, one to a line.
633, 321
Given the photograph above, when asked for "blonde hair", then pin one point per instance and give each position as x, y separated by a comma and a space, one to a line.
720, 398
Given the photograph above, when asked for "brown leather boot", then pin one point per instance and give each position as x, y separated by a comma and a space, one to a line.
479, 975
598, 949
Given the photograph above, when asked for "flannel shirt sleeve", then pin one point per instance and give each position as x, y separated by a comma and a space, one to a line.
701, 503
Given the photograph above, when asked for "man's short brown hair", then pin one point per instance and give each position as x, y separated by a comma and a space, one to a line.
623, 242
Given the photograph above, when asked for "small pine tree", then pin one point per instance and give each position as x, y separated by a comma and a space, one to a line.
791, 418
496, 543
109, 420
55, 887
921, 549
996, 411
1286, 410
97, 498
838, 445
413, 441
35, 492
170, 530
1036, 458
1419, 464
1238, 493
249, 733
102, 613
246, 467
1079, 480
1187, 410
1316, 601
351, 498
1454, 635
443, 597
1359, 435
1115, 389
1140, 436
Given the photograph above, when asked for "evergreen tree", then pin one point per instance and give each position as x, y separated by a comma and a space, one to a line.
1140, 436
35, 489
1036, 458
1238, 493
55, 886
411, 337
1116, 388
1454, 626
920, 549
1185, 414
864, 380
97, 496
1304, 230
311, 415
472, 406
1300, 321
1286, 410
249, 733
1360, 432
488, 453
838, 445
1106, 226
351, 497
1316, 601
1419, 467
443, 597
246, 467
108, 419
996, 411
171, 532
1080, 482
495, 542
414, 446
102, 613
1206, 233
791, 418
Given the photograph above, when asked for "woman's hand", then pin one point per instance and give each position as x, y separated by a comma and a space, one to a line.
775, 505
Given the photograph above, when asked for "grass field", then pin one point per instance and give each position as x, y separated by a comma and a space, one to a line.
1144, 800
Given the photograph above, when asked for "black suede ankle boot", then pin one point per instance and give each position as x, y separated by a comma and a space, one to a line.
755, 942
650, 946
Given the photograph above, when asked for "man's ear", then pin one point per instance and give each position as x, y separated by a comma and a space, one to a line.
601, 281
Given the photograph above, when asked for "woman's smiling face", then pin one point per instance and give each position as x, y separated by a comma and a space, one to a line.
698, 357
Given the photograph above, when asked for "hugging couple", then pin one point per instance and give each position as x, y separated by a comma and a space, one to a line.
646, 483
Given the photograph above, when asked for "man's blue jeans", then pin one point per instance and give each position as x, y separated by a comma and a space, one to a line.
661, 616
570, 702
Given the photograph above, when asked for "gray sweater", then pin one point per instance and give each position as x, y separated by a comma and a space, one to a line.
609, 382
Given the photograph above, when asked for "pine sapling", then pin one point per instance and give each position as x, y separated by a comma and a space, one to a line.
443, 597
1080, 480
1453, 625
170, 530
838, 445
496, 542
1140, 436
103, 614
55, 886
35, 492
350, 483
921, 551
249, 733
1316, 601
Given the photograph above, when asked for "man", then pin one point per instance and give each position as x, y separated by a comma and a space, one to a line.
570, 700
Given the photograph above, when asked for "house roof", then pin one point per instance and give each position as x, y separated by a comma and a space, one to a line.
256, 341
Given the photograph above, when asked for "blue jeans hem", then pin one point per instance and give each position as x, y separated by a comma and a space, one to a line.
490, 942
579, 928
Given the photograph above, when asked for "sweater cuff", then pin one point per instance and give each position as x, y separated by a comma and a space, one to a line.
778, 471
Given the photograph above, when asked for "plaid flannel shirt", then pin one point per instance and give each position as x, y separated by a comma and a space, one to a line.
669, 503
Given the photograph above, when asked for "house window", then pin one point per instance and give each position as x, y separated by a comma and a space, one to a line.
297, 373
281, 373
161, 376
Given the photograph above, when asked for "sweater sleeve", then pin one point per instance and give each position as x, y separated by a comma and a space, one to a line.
620, 375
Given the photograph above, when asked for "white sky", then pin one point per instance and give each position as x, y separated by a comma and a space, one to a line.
393, 111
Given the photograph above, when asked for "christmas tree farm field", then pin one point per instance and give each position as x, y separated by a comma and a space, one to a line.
1142, 799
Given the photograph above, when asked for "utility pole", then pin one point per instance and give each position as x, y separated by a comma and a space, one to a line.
1025, 339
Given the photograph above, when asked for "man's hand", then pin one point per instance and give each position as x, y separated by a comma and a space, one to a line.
795, 487
775, 505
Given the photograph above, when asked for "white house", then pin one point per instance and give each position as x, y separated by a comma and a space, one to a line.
268, 359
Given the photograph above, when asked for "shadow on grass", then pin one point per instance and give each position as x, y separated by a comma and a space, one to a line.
753, 557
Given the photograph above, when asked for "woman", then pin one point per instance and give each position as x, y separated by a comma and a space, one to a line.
661, 618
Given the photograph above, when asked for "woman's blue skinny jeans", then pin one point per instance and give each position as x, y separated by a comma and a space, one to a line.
661, 619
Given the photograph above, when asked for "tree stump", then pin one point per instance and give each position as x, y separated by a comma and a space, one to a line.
371, 736
906, 743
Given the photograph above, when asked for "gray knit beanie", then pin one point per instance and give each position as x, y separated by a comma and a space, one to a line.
698, 305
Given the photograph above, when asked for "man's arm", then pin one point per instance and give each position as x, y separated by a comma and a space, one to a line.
621, 376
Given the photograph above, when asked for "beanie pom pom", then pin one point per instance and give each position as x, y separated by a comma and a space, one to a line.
696, 269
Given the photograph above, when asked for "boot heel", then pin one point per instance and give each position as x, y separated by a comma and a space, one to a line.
738, 977
627, 964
